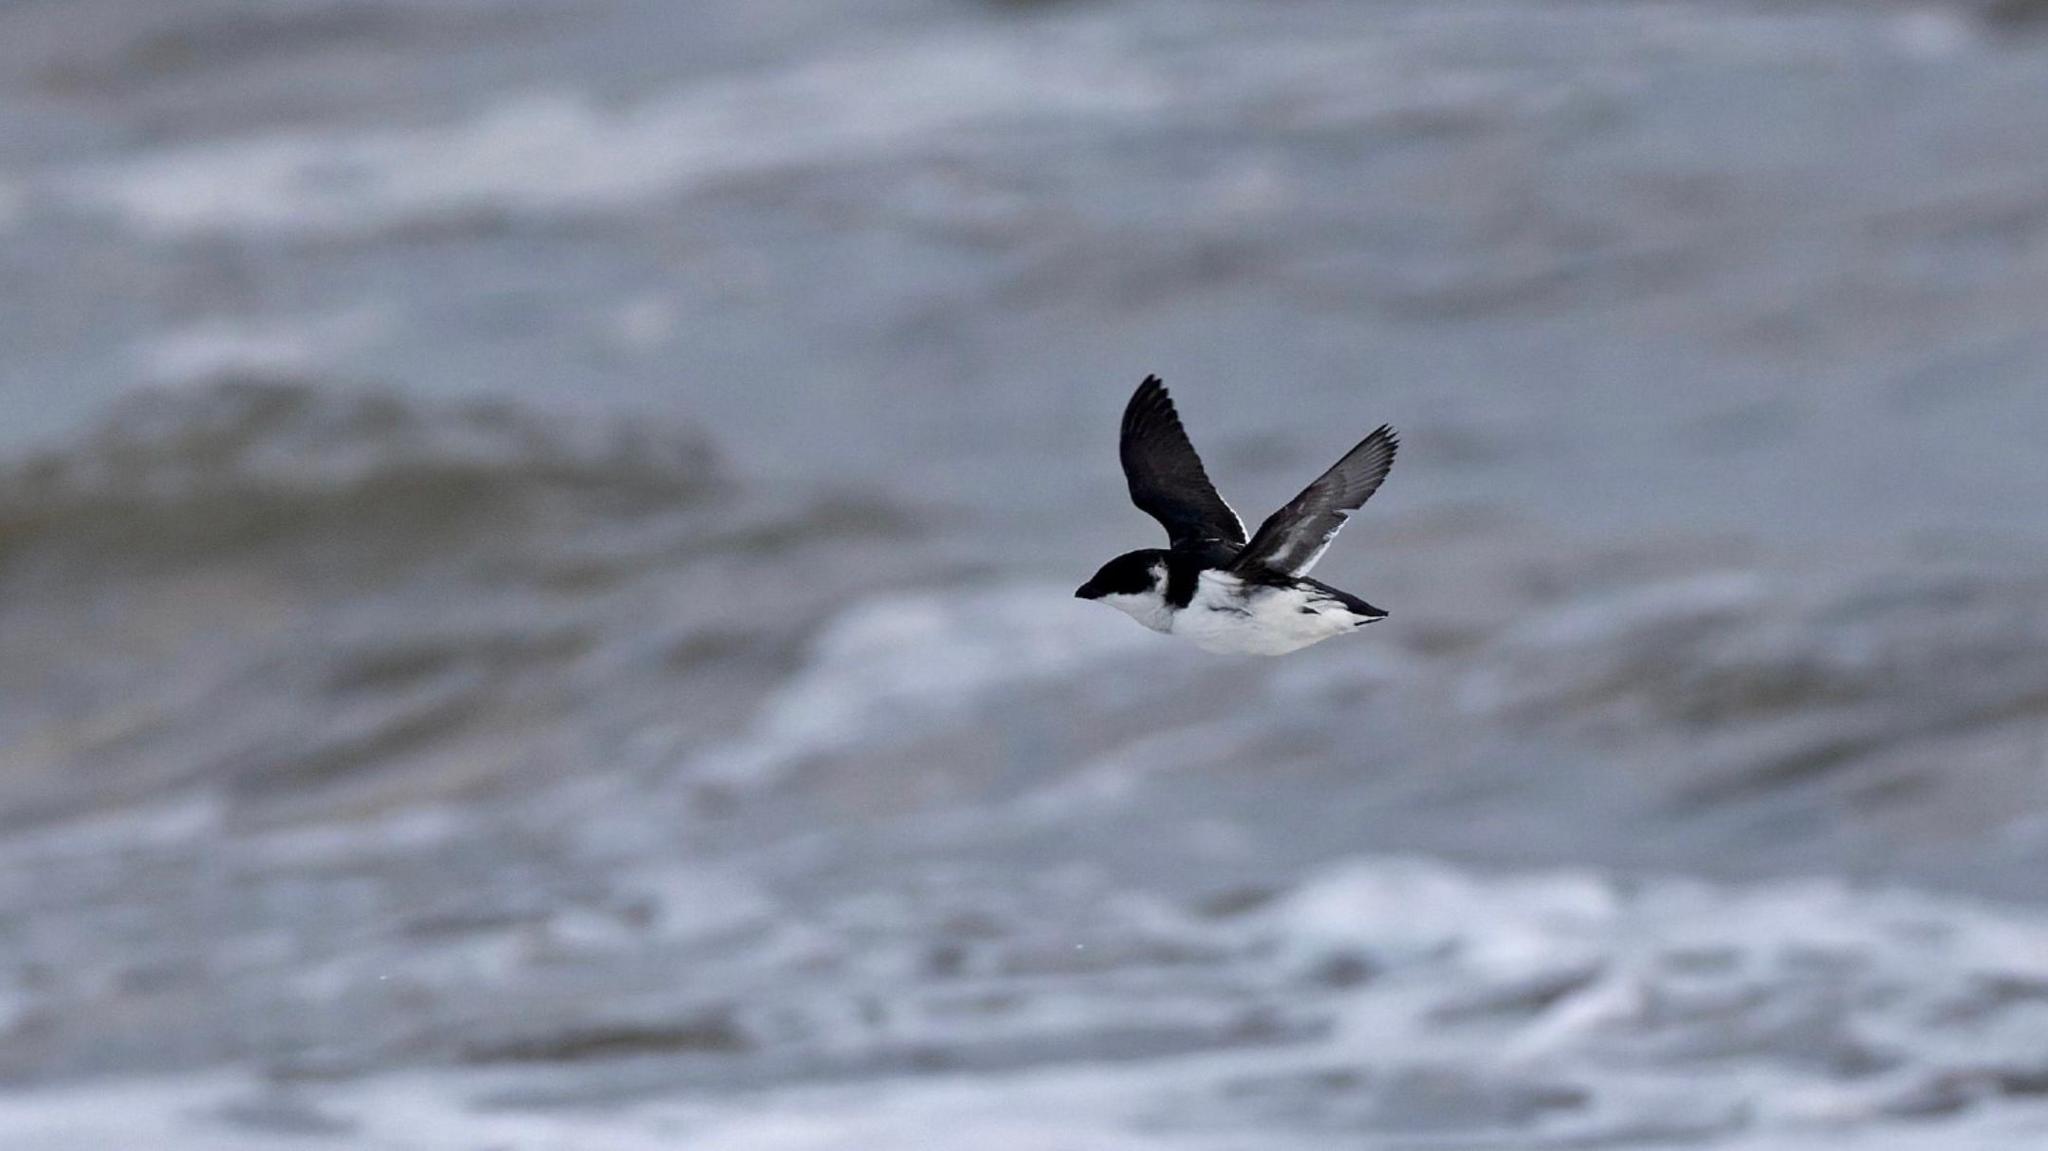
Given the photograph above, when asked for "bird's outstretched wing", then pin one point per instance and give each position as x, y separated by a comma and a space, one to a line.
1294, 538
1166, 476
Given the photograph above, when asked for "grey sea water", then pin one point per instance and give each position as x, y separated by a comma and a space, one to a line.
536, 544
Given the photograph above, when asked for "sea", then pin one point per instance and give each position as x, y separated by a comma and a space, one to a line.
537, 542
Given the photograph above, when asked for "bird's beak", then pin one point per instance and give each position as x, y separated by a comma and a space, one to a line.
1087, 591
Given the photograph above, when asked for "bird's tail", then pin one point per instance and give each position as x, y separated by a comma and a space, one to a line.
1352, 604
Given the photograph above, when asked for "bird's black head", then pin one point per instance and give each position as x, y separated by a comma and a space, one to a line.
1132, 573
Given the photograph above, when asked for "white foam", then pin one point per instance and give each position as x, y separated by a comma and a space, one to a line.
1790, 1016
1797, 1004
328, 845
224, 346
431, 1111
170, 824
135, 1113
553, 152
909, 659
556, 152
692, 902
1404, 912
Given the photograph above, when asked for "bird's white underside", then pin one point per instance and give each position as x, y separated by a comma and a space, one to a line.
1221, 617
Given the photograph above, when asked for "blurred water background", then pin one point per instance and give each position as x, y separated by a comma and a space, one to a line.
536, 541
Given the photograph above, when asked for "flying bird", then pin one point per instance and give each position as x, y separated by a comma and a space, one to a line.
1210, 584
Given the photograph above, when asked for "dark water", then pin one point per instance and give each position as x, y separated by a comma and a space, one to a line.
535, 553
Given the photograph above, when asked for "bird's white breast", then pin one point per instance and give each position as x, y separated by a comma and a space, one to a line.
1225, 615
1149, 609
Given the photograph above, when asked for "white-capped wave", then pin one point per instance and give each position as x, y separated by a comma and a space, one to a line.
558, 152
914, 659
287, 347
1523, 1010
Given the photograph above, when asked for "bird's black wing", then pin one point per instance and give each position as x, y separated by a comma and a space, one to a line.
1294, 538
1166, 476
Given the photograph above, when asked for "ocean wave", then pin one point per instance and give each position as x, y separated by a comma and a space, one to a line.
295, 594
553, 153
1536, 1010
247, 462
1747, 686
899, 667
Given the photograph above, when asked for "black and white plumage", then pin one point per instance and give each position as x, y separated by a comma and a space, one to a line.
1211, 584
